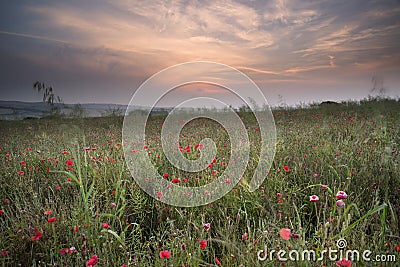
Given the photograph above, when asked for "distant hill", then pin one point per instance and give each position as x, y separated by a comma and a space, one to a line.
17, 110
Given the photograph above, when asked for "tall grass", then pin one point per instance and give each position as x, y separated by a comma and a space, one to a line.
73, 170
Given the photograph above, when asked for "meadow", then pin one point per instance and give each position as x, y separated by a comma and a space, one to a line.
67, 197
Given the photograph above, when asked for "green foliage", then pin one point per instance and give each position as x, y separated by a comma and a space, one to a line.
76, 169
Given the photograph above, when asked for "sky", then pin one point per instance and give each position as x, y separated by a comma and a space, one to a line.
295, 51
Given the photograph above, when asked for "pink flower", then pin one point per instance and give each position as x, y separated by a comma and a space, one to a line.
278, 195
285, 233
206, 226
314, 198
203, 243
4, 253
93, 261
217, 261
48, 212
165, 254
343, 263
340, 203
324, 186
341, 195
21, 172
69, 162
166, 175
105, 225
245, 236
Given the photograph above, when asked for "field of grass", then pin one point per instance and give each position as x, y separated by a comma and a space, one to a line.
67, 197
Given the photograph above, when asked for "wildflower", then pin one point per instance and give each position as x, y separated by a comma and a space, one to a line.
64, 152
93, 261
175, 180
21, 172
51, 220
1, 212
340, 203
4, 253
206, 226
314, 198
48, 212
397, 248
105, 225
203, 243
278, 195
343, 263
285, 233
6, 201
198, 146
217, 261
286, 168
166, 175
22, 163
165, 254
341, 195
245, 236
37, 236
76, 228
69, 162
295, 236
324, 186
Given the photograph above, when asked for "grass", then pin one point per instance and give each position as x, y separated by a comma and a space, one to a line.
73, 170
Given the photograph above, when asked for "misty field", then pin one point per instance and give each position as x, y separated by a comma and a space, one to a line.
67, 197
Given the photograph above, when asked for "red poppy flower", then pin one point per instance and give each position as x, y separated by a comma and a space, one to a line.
1, 212
217, 261
93, 261
203, 243
175, 180
37, 236
286, 168
105, 225
76, 228
166, 175
69, 162
397, 248
165, 254
51, 220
